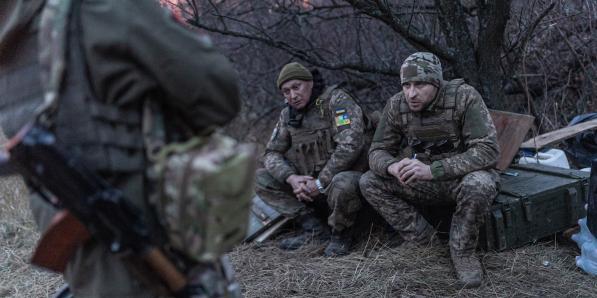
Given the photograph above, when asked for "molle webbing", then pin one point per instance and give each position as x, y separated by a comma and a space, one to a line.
312, 148
434, 134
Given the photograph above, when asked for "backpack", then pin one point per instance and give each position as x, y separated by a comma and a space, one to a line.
205, 186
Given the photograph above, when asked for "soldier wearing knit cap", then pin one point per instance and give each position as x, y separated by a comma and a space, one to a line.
315, 156
435, 145
293, 71
422, 67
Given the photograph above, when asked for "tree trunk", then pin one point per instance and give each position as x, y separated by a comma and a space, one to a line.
452, 16
493, 17
479, 67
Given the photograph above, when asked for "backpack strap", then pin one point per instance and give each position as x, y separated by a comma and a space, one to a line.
322, 102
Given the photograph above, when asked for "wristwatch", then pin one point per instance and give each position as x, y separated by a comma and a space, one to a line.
319, 186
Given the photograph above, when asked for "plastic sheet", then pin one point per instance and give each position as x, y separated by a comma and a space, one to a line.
587, 243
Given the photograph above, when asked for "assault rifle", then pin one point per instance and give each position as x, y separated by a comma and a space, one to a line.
91, 207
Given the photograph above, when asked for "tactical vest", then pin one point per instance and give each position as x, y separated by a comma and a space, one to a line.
312, 143
107, 138
435, 135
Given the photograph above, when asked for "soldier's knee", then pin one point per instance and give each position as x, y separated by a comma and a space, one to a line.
346, 181
478, 187
365, 179
366, 183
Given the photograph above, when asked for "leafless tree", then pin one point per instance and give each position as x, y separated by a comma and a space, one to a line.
527, 56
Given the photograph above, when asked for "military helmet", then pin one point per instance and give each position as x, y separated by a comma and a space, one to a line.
421, 67
293, 71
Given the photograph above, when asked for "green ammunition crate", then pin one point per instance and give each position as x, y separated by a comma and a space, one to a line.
535, 201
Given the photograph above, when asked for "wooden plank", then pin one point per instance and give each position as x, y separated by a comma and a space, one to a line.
558, 135
511, 129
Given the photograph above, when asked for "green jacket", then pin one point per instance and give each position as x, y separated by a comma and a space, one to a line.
134, 52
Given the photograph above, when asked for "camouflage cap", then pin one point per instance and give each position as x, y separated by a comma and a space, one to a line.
293, 71
421, 67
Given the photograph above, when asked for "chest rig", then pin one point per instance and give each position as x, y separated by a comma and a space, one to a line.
312, 143
106, 136
434, 134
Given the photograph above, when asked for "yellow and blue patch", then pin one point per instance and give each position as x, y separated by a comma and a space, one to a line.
342, 117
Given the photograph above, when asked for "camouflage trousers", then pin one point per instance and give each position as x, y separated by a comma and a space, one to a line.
473, 195
342, 195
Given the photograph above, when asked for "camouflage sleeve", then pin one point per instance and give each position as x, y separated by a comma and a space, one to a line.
479, 137
278, 144
386, 145
348, 130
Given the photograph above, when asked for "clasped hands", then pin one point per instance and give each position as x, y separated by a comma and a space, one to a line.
304, 187
409, 170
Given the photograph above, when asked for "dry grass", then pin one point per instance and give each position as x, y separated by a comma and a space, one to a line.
372, 270
17, 237
375, 270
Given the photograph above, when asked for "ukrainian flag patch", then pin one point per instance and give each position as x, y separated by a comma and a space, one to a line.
342, 117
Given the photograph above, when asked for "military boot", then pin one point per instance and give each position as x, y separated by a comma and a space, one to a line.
339, 244
468, 269
312, 229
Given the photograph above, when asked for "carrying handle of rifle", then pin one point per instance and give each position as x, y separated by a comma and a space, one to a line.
175, 280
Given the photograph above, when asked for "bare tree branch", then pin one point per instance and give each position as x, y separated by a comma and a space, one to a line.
530, 30
301, 53
383, 12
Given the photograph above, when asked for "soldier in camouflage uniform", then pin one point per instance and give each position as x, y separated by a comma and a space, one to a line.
435, 144
316, 152
115, 62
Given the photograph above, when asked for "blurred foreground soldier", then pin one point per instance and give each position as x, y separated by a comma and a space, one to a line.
115, 61
435, 145
316, 152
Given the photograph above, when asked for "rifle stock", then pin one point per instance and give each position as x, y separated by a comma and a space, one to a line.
59, 242
165, 269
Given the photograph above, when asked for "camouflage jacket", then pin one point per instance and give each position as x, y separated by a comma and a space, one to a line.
465, 126
337, 126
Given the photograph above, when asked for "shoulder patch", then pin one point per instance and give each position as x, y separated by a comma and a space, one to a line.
342, 117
